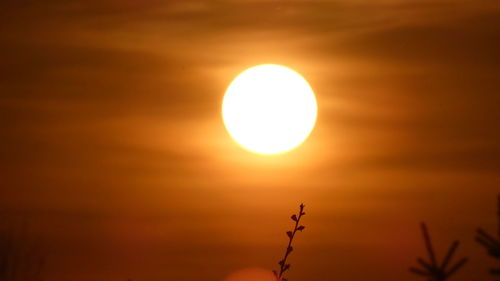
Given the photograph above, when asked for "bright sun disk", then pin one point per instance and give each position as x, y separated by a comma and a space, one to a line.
269, 109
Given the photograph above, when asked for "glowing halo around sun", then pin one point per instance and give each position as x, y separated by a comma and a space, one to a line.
269, 109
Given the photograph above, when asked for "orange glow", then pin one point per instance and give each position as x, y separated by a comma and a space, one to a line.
251, 274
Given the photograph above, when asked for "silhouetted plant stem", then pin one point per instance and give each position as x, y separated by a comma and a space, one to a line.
291, 234
428, 244
491, 243
431, 269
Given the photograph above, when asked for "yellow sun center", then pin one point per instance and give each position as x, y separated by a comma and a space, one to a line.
269, 109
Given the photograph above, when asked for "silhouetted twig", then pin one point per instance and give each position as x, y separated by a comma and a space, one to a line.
284, 266
491, 243
432, 270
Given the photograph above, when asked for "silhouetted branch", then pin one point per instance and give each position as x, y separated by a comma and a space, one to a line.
419, 272
428, 244
431, 269
490, 243
456, 267
284, 266
450, 254
486, 237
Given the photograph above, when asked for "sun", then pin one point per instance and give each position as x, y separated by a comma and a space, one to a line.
269, 109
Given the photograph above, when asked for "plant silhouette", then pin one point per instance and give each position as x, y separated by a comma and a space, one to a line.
284, 266
491, 243
433, 270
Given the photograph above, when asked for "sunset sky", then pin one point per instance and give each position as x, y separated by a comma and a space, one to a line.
114, 152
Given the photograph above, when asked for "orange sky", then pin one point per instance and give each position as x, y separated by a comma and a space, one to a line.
113, 147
